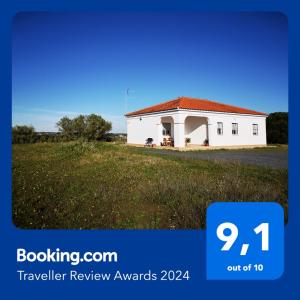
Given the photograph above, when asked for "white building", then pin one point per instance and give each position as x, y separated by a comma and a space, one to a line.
197, 121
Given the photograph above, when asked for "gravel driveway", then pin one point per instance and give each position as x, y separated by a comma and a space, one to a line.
275, 159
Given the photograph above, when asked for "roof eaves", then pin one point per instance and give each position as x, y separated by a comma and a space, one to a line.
133, 114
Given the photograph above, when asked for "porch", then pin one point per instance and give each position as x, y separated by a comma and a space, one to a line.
192, 132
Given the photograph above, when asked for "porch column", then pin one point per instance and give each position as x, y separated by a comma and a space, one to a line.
179, 135
209, 131
159, 133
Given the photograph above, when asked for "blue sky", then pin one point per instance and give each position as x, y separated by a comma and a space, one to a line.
81, 63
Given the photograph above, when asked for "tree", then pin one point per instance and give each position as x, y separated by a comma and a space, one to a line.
96, 127
277, 128
23, 134
78, 124
65, 127
90, 127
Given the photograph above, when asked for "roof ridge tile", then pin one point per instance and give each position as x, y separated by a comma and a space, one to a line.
184, 102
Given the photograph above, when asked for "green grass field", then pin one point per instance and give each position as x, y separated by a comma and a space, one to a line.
102, 185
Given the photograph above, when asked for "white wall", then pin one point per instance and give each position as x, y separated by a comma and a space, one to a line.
139, 128
142, 127
245, 130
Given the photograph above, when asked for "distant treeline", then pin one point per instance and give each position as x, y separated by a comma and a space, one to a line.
87, 128
277, 128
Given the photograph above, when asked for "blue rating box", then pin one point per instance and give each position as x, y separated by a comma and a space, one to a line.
245, 240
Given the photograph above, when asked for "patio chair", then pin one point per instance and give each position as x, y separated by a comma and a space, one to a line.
149, 142
169, 142
172, 142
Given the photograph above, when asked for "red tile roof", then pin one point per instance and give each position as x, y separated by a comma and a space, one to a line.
194, 104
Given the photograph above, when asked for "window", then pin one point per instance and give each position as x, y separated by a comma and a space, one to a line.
166, 132
234, 128
255, 129
166, 129
220, 128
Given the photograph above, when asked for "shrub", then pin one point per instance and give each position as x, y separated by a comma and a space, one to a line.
277, 128
91, 127
23, 134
